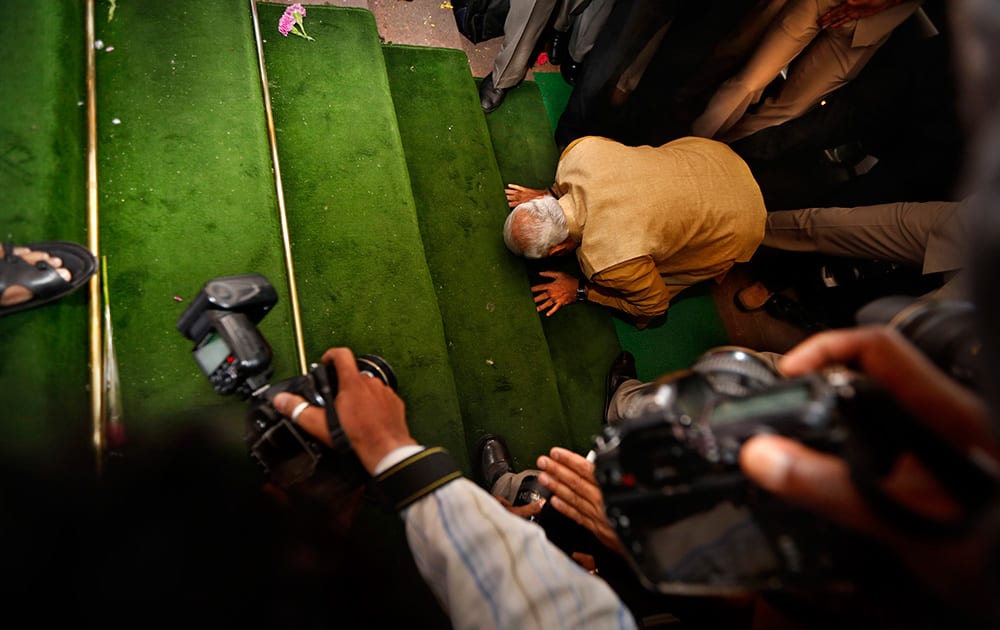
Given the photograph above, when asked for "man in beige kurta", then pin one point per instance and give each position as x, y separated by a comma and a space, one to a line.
645, 222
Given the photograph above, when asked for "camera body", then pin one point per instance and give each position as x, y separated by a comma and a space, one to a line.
691, 521
237, 360
674, 492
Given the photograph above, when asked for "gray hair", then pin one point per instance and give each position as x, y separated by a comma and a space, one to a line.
533, 228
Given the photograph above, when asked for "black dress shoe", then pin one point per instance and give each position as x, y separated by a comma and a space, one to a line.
623, 369
558, 48
569, 69
494, 459
490, 96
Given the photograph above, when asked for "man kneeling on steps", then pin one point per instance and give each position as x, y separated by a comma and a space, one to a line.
645, 222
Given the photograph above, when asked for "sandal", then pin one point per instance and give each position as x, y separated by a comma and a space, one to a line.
41, 278
752, 297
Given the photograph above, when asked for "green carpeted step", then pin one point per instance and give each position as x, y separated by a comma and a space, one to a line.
581, 337
504, 375
692, 326
186, 194
44, 371
362, 277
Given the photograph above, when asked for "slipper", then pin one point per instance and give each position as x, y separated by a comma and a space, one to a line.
45, 284
752, 297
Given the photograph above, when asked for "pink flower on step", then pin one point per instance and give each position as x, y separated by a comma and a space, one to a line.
285, 24
291, 21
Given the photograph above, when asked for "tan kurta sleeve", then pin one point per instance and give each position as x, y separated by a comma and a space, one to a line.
634, 287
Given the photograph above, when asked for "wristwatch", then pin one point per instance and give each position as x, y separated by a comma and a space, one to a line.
581, 291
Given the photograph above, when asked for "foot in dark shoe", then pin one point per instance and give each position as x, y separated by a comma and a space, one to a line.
788, 310
494, 459
490, 96
557, 51
623, 369
569, 69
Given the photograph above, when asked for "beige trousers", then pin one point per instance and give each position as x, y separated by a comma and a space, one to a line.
930, 235
824, 60
525, 23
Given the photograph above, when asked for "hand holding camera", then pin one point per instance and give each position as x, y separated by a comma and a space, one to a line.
372, 416
822, 482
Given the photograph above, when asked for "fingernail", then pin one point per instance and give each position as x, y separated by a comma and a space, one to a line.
279, 401
544, 479
542, 462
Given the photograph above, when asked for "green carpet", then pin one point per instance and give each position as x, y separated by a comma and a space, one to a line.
555, 94
44, 372
498, 351
581, 337
363, 280
186, 195
692, 326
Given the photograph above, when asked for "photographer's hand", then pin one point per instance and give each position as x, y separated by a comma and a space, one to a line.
822, 482
575, 493
372, 415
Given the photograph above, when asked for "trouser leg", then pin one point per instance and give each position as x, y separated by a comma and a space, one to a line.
828, 63
787, 36
509, 484
587, 26
525, 22
630, 400
894, 232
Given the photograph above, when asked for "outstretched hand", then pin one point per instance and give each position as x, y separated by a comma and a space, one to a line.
853, 10
575, 493
553, 295
372, 415
516, 195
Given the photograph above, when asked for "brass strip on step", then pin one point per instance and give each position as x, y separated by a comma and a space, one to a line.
280, 191
94, 325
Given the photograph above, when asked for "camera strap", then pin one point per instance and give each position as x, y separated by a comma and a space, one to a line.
416, 476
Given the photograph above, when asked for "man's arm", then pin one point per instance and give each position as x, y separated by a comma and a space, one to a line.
516, 194
487, 567
634, 287
490, 568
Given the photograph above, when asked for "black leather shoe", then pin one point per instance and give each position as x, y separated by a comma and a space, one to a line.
569, 69
558, 48
623, 369
490, 96
494, 460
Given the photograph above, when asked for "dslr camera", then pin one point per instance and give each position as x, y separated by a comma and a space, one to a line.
693, 524
230, 350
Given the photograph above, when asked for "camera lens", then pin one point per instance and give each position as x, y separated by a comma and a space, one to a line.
377, 367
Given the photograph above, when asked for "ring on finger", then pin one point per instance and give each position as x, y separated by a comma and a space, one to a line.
299, 408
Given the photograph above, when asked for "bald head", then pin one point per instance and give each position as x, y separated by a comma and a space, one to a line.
535, 227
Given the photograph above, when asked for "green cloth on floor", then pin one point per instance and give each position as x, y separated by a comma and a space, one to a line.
186, 195
581, 337
360, 268
555, 94
692, 326
43, 148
